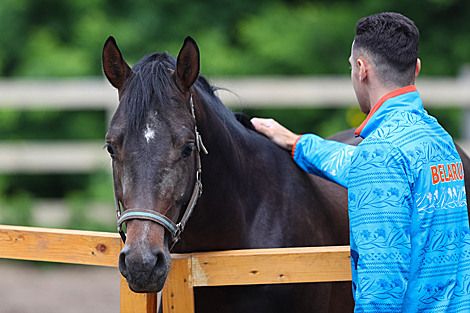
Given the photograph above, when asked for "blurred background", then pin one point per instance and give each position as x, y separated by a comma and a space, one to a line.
55, 105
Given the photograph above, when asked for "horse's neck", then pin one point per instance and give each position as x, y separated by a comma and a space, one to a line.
218, 214
247, 181
222, 135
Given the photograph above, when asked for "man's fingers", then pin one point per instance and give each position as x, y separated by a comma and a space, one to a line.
259, 123
275, 131
255, 122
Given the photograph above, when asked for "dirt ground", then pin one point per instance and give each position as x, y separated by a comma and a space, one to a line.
48, 288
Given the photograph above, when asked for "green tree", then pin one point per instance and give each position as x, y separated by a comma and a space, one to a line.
65, 37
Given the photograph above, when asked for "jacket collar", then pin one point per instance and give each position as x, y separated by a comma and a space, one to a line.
405, 98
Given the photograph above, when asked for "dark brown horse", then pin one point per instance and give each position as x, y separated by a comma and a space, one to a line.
254, 195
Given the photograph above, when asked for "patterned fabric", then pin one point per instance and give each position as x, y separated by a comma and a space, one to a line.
409, 228
325, 158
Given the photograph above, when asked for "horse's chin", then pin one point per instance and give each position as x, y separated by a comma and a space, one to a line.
147, 287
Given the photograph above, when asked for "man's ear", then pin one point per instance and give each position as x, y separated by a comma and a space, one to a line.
418, 67
363, 69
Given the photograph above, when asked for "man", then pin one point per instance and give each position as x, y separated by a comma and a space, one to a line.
409, 235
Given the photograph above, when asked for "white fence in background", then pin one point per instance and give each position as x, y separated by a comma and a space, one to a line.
241, 92
314, 91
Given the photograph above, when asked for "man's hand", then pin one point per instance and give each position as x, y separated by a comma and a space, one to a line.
276, 132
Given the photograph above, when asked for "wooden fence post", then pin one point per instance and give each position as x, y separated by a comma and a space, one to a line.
178, 293
132, 302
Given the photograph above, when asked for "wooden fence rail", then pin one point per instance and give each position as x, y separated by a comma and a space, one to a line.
236, 267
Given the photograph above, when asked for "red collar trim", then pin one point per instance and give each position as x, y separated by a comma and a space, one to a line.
389, 95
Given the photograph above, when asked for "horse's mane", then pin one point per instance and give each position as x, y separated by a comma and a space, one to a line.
149, 83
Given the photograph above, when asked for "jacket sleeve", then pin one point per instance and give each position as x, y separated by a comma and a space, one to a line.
325, 158
380, 206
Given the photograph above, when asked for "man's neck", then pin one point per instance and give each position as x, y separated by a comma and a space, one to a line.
377, 92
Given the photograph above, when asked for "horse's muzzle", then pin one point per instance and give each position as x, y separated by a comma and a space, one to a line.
145, 270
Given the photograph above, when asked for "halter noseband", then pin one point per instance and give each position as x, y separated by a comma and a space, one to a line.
174, 229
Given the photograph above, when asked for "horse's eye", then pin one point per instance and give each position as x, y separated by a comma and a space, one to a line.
110, 150
187, 151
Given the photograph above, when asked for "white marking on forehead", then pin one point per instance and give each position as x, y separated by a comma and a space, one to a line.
149, 133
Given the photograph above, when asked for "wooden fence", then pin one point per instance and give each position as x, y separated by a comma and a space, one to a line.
236, 267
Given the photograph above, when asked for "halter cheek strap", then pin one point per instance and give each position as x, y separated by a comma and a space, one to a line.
174, 229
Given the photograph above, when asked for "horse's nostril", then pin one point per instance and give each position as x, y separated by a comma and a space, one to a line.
122, 263
160, 264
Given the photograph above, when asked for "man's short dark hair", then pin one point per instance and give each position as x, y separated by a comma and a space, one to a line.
391, 42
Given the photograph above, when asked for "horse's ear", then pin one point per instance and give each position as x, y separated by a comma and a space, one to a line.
188, 64
114, 66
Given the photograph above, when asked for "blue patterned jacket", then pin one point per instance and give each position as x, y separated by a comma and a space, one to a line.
409, 228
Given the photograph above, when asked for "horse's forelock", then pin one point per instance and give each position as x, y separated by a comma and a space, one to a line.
147, 87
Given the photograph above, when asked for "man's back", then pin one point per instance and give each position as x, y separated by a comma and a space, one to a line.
408, 214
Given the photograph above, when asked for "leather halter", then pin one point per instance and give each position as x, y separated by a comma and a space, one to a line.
174, 229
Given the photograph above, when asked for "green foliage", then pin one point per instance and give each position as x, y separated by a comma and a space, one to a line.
98, 190
16, 209
64, 38
85, 195
52, 125
304, 39
15, 206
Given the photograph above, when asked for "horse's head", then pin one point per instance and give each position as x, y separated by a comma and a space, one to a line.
153, 144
